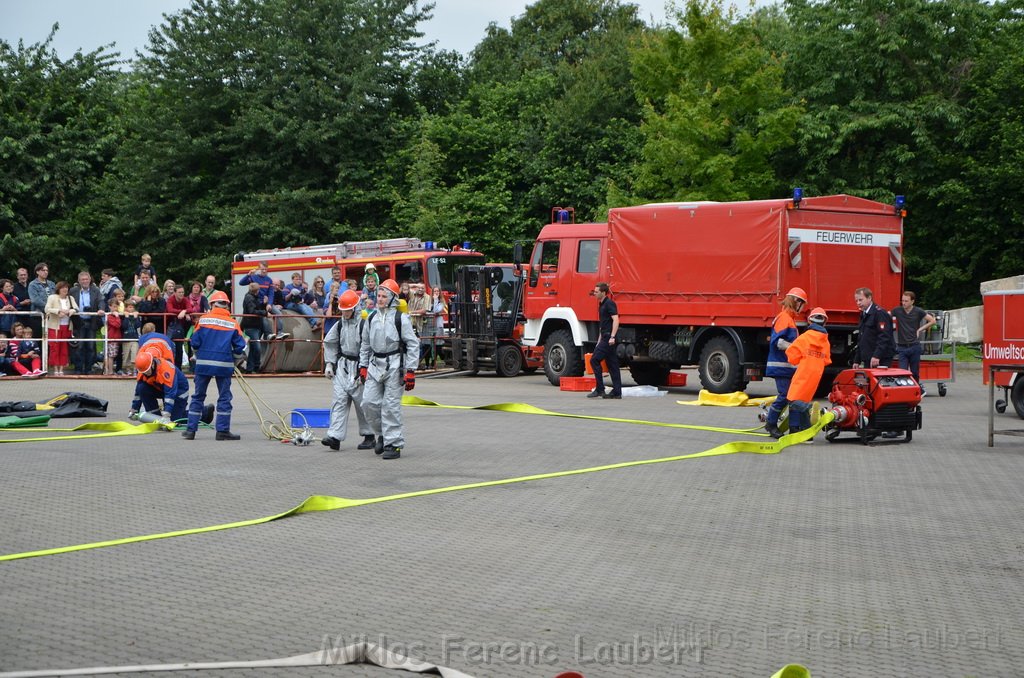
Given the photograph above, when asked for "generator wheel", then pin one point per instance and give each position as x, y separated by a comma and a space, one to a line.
942, 390
831, 434
719, 368
562, 358
649, 374
1000, 406
1017, 395
508, 361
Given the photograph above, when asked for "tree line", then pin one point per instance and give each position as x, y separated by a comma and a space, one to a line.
271, 123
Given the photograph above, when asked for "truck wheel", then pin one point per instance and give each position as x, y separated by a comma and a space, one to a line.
562, 358
649, 374
666, 352
508, 361
719, 368
1017, 395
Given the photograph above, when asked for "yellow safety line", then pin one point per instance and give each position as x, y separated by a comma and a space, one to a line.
324, 503
523, 408
109, 429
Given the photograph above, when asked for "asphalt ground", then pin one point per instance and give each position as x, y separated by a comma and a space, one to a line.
896, 560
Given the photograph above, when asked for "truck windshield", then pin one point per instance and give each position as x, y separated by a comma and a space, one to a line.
441, 269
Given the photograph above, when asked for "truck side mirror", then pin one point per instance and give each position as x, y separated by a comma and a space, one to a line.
517, 255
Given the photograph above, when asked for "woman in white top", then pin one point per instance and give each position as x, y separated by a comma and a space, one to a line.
59, 309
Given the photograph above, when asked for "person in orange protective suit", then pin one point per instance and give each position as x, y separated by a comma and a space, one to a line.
810, 353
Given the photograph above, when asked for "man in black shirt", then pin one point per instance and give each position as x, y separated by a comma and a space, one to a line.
911, 323
874, 346
608, 321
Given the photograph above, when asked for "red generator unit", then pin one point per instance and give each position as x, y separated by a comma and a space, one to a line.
870, 402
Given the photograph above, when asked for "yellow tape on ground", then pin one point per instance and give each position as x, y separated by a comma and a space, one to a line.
325, 503
108, 429
737, 399
523, 408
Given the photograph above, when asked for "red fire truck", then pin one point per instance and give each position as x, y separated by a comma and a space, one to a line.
700, 283
399, 258
1003, 345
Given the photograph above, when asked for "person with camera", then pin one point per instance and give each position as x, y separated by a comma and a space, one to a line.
299, 299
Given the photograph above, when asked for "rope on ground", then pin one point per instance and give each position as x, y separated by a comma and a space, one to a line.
275, 425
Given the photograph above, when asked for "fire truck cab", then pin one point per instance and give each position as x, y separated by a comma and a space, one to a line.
399, 258
700, 283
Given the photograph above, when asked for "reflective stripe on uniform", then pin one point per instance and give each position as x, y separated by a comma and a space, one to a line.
215, 363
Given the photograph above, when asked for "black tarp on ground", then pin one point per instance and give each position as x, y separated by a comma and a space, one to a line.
67, 404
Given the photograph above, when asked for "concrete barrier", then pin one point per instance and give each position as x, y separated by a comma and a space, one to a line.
965, 325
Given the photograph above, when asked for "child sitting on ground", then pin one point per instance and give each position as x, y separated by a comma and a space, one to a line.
6, 364
30, 361
810, 352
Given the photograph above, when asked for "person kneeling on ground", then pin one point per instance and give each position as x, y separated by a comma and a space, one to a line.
216, 339
341, 355
810, 352
158, 378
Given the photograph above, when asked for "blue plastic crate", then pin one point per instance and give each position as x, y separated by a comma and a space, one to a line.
313, 418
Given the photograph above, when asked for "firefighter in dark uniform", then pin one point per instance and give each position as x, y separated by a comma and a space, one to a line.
608, 327
216, 341
875, 344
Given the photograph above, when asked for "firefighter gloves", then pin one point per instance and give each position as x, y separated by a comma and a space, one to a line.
410, 380
362, 374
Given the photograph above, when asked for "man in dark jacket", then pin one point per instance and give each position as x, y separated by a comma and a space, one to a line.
254, 311
875, 345
91, 309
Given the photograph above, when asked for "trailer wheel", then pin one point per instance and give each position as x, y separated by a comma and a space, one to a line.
1017, 395
562, 358
649, 374
509, 360
719, 368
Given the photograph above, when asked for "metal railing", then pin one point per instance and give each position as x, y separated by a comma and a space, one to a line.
285, 355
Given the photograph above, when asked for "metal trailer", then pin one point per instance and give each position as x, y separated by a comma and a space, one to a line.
938, 355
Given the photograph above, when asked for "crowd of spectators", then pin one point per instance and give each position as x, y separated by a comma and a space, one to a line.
90, 325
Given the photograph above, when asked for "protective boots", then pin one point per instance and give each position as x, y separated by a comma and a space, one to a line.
227, 435
773, 430
369, 442
379, 447
391, 452
330, 442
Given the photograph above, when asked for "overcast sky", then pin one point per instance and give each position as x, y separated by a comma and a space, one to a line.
88, 24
